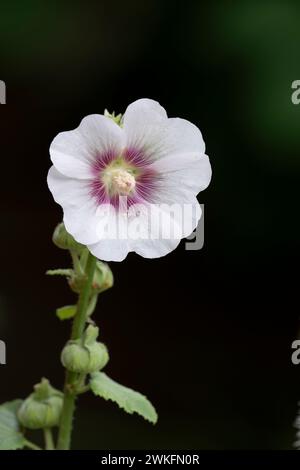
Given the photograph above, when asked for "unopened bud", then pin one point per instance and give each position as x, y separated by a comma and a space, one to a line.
42, 409
85, 355
98, 357
77, 282
103, 277
75, 357
62, 239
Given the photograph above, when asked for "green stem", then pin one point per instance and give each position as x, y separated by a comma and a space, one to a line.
31, 445
92, 305
49, 444
76, 262
65, 429
83, 389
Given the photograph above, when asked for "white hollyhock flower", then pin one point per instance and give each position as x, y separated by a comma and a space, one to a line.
154, 163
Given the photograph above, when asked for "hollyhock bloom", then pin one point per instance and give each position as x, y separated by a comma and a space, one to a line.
150, 161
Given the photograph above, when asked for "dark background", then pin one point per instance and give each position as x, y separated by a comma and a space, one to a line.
207, 334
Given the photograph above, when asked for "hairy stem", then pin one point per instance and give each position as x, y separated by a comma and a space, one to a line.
31, 445
65, 429
76, 262
83, 389
49, 444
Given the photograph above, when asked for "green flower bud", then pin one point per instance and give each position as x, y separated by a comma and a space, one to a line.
85, 355
42, 409
98, 357
76, 282
62, 239
103, 277
75, 357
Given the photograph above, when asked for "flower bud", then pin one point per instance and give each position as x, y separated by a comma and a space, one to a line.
62, 239
42, 409
77, 282
85, 355
103, 277
75, 357
98, 357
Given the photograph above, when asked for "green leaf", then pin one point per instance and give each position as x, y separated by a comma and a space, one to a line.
64, 313
10, 435
126, 398
60, 272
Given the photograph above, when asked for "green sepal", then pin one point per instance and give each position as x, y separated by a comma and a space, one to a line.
117, 119
127, 399
90, 335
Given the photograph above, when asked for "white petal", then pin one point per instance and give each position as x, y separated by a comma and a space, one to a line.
182, 176
78, 206
111, 228
147, 128
142, 113
163, 226
73, 152
156, 248
144, 122
182, 136
110, 250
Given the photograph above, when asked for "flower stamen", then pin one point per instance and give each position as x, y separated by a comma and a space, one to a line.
118, 180
122, 181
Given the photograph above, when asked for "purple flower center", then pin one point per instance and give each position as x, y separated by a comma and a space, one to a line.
128, 174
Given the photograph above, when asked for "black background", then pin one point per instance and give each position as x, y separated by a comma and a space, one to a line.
207, 334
